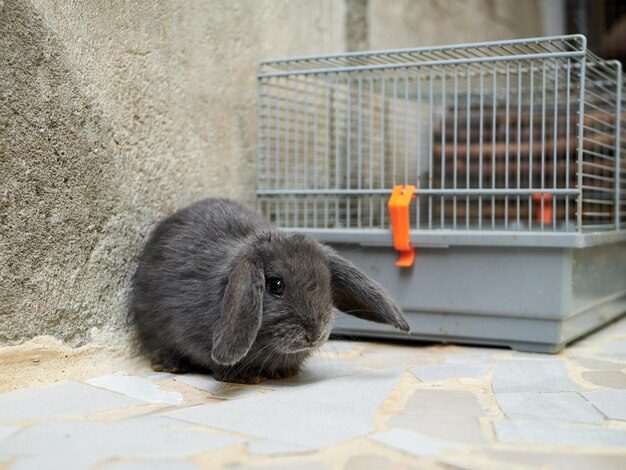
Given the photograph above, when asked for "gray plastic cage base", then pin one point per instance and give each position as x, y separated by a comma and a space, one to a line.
471, 329
535, 299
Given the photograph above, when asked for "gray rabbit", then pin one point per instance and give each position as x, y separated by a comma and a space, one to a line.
220, 289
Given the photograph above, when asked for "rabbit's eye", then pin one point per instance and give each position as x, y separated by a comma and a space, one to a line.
276, 287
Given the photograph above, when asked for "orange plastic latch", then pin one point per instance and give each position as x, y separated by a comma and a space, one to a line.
543, 210
399, 212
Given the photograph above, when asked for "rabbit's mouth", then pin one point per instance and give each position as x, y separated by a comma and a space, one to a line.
304, 344
295, 349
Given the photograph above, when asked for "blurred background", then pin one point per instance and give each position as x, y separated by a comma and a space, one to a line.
114, 114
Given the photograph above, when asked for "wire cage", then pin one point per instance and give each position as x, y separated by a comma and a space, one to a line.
516, 136
515, 150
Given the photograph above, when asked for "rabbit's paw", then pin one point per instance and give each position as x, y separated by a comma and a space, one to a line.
170, 363
283, 373
239, 379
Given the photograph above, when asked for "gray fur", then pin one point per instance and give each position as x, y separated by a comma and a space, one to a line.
200, 299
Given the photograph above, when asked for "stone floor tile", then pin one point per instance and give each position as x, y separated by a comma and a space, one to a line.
466, 358
549, 433
300, 464
442, 426
612, 403
61, 399
598, 364
221, 390
151, 419
320, 369
303, 416
151, 465
233, 393
435, 372
415, 443
380, 358
55, 462
275, 448
566, 460
375, 462
615, 349
202, 382
446, 414
290, 419
618, 327
606, 378
442, 401
554, 406
160, 375
532, 376
6, 431
134, 437
136, 387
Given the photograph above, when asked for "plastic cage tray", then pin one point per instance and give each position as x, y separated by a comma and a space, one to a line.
514, 152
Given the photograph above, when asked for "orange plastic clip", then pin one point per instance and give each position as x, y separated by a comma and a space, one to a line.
544, 210
399, 212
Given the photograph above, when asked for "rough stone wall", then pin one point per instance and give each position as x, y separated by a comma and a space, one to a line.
113, 114
405, 23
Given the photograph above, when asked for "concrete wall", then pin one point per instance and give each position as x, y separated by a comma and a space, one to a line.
405, 23
113, 114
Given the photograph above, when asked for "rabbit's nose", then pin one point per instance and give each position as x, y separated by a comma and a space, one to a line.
311, 336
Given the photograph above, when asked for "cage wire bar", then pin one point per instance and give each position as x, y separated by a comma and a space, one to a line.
511, 136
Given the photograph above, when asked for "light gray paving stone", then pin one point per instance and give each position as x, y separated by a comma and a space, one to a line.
379, 358
446, 414
217, 389
55, 462
436, 372
606, 378
566, 460
532, 376
612, 403
101, 440
202, 382
310, 464
153, 420
160, 375
550, 433
275, 448
615, 349
320, 369
612, 329
447, 427
136, 387
476, 358
376, 462
305, 416
152, 465
618, 327
555, 406
527, 355
415, 443
439, 401
6, 431
605, 332
61, 399
599, 364
300, 464
234, 393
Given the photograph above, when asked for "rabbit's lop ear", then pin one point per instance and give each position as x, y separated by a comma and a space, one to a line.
356, 294
242, 309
